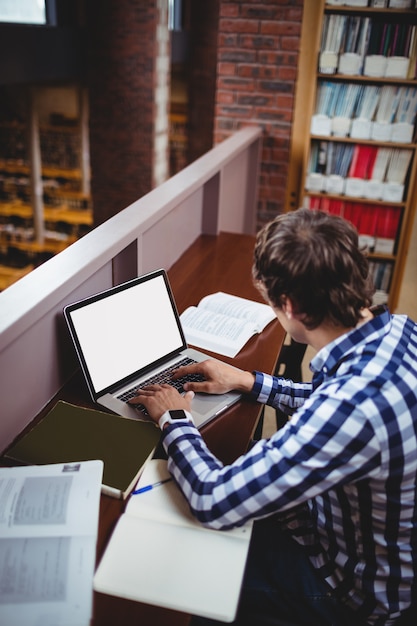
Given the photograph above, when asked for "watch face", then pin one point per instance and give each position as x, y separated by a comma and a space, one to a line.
178, 415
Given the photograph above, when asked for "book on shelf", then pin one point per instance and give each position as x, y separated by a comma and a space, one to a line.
377, 225
363, 160
48, 536
358, 170
381, 164
386, 113
381, 272
70, 433
159, 554
380, 46
224, 323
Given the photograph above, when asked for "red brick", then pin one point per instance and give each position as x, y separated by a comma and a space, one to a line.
235, 84
226, 69
225, 97
285, 102
287, 73
280, 28
229, 9
239, 26
227, 40
261, 38
278, 57
290, 43
249, 71
258, 42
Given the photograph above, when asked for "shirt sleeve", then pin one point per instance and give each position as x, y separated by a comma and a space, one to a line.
311, 455
280, 393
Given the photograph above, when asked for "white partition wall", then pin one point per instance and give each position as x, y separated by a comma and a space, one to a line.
216, 192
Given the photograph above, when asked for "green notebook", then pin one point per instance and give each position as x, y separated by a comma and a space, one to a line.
73, 433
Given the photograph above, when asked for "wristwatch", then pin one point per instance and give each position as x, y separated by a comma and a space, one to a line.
173, 417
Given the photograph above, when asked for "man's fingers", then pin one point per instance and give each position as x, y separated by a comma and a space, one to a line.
202, 387
186, 370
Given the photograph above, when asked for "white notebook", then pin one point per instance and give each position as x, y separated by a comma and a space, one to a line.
159, 554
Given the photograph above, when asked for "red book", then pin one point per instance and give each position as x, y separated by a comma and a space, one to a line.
368, 220
356, 215
372, 154
336, 207
363, 162
348, 211
354, 162
325, 205
388, 222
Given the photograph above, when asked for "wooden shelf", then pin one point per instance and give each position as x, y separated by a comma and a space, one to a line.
56, 214
352, 199
359, 78
16, 167
334, 8
9, 275
309, 77
365, 142
50, 246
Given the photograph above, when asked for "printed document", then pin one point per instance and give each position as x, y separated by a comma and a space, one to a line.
48, 534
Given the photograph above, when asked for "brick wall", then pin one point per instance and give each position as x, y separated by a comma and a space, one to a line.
125, 46
243, 68
258, 46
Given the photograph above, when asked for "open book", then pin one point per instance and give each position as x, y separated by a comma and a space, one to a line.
159, 554
48, 534
223, 323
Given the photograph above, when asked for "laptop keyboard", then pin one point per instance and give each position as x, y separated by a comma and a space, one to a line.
163, 377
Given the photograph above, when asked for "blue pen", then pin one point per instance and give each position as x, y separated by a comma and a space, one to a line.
149, 487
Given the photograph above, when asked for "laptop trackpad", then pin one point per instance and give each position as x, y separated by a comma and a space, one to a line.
206, 406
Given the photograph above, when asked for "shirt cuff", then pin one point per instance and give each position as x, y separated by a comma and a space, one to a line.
261, 390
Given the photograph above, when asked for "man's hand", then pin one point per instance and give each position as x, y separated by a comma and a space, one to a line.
160, 398
219, 377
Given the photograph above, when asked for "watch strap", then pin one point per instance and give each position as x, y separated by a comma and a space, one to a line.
174, 417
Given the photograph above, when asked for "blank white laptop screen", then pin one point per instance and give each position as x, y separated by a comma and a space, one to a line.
126, 331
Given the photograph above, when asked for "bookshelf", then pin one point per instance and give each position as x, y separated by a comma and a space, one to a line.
353, 149
178, 119
45, 202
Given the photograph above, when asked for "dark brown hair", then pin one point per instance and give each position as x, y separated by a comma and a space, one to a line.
314, 259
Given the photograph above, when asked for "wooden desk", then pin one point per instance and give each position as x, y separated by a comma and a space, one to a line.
211, 264
224, 263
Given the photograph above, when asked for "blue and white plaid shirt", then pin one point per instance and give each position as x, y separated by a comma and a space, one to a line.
342, 473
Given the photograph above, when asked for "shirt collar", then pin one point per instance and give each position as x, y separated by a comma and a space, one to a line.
327, 360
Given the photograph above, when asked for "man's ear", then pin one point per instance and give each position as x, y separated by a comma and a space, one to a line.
287, 307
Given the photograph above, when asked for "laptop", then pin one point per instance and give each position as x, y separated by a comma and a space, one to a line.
129, 333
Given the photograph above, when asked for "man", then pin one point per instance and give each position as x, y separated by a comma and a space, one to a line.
340, 477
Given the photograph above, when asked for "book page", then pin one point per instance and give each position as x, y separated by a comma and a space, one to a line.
166, 503
174, 567
216, 332
157, 545
49, 500
48, 532
258, 313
